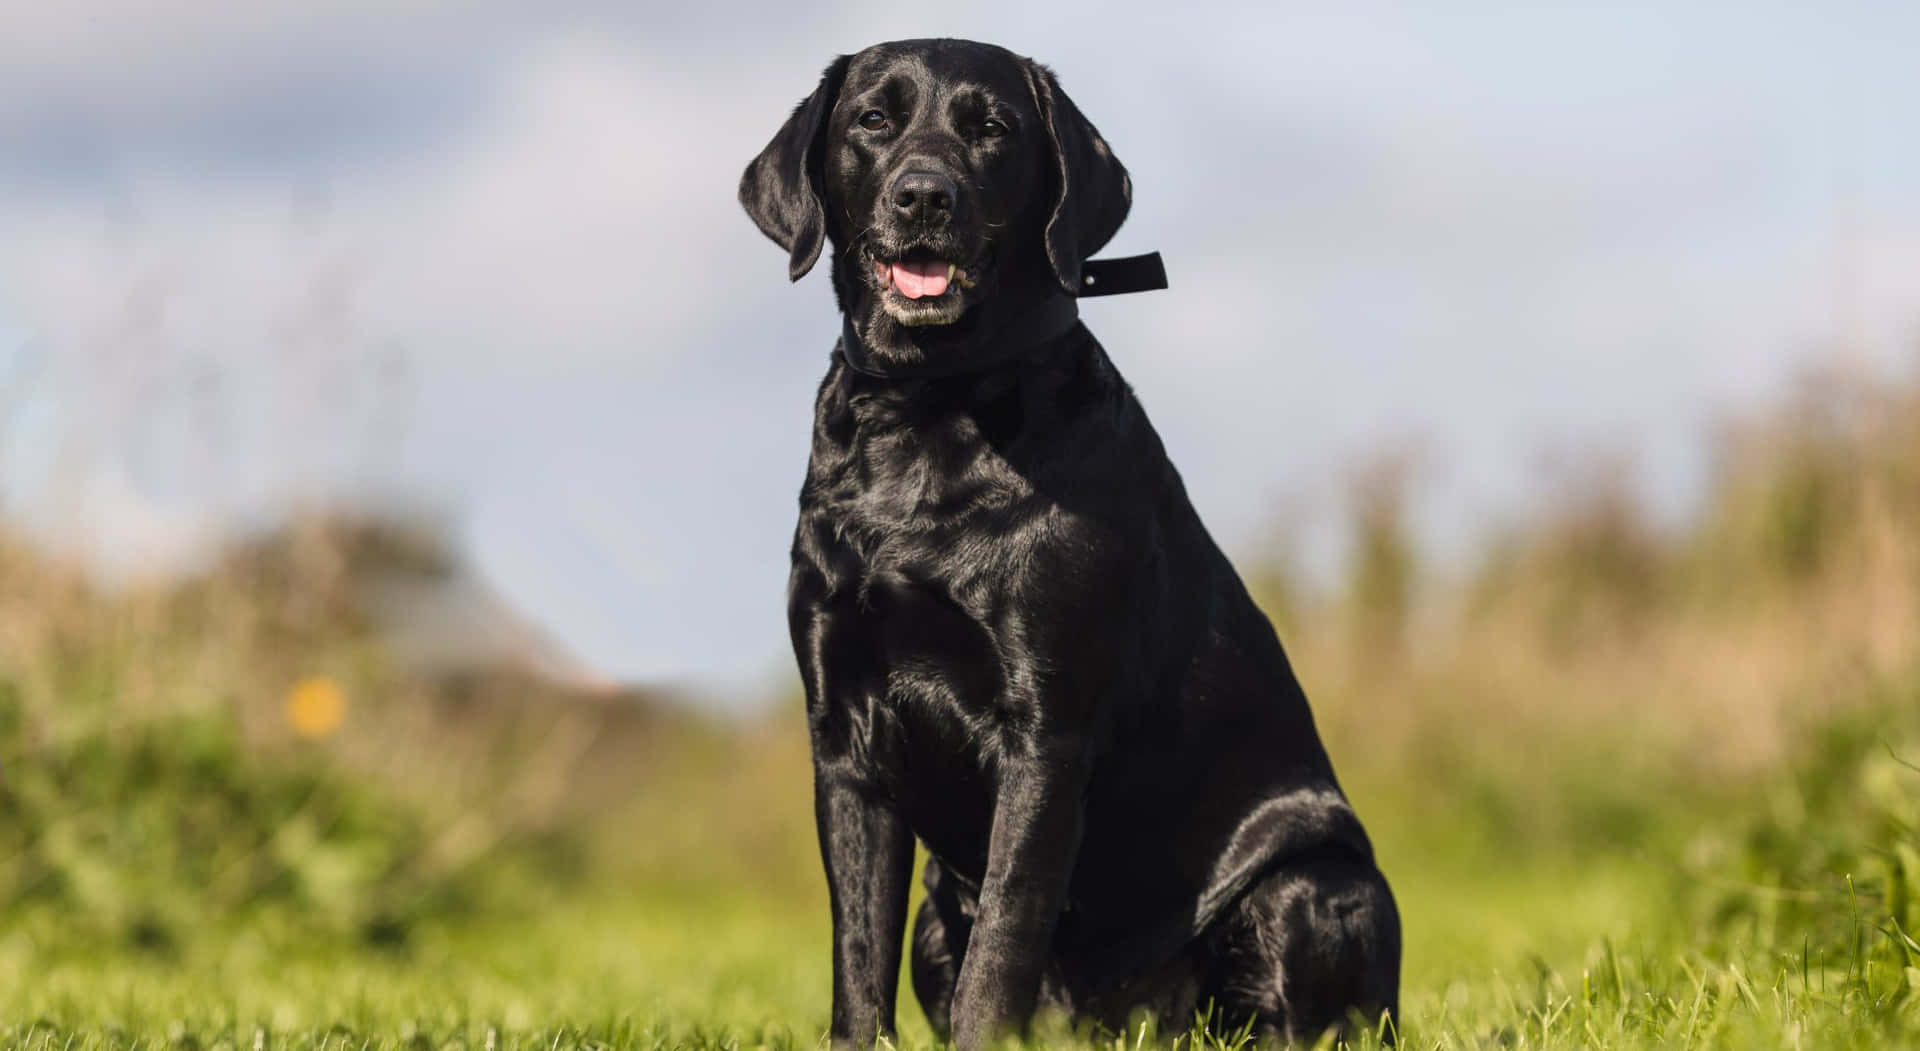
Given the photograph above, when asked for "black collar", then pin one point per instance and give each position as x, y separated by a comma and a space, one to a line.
1052, 318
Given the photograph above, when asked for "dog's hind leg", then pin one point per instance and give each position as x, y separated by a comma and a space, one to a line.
1314, 942
939, 944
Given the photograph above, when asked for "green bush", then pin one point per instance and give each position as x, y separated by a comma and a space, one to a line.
154, 832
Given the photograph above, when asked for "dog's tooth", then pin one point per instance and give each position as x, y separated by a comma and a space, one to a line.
950, 269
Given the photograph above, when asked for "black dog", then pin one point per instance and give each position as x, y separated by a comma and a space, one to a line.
1018, 642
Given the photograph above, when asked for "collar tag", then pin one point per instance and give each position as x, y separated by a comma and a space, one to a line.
1113, 277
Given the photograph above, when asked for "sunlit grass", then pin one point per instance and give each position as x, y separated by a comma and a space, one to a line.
733, 972
1783, 929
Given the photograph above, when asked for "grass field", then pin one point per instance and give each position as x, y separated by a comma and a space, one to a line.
1633, 787
1578, 939
739, 974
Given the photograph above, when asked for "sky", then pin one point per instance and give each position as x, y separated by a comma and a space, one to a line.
484, 258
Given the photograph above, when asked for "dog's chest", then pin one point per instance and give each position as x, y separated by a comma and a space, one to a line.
913, 559
921, 512
921, 617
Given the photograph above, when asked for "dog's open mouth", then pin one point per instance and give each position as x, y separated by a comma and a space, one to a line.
925, 285
920, 274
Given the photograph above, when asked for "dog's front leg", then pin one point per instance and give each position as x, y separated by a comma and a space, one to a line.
1036, 834
868, 852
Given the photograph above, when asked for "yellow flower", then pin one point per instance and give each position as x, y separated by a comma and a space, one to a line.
315, 706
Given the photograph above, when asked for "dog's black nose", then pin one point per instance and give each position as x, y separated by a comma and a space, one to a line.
924, 196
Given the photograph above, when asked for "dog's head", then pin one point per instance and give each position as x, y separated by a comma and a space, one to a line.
952, 178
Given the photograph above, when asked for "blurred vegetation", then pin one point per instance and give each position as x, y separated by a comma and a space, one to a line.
1636, 783
254, 746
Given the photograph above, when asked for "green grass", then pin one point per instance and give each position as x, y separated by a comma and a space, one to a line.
735, 972
1574, 911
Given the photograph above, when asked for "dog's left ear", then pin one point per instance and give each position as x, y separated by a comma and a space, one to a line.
1093, 192
782, 188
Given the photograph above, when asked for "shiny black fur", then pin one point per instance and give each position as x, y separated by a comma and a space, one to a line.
1018, 642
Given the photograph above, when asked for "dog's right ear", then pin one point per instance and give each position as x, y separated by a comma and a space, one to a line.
782, 188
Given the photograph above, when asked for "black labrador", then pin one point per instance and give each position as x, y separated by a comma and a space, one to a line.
1018, 642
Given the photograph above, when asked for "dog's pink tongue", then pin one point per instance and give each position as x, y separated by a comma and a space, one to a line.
920, 278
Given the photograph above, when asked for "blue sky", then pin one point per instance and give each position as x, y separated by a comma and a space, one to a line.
485, 257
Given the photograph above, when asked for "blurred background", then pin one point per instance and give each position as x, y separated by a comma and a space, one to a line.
400, 429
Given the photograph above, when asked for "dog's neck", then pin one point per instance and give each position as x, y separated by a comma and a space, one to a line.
880, 347
995, 334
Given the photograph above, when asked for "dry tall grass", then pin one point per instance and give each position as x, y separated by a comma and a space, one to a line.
1795, 588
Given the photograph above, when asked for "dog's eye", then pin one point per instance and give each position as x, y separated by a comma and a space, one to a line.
992, 129
873, 120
